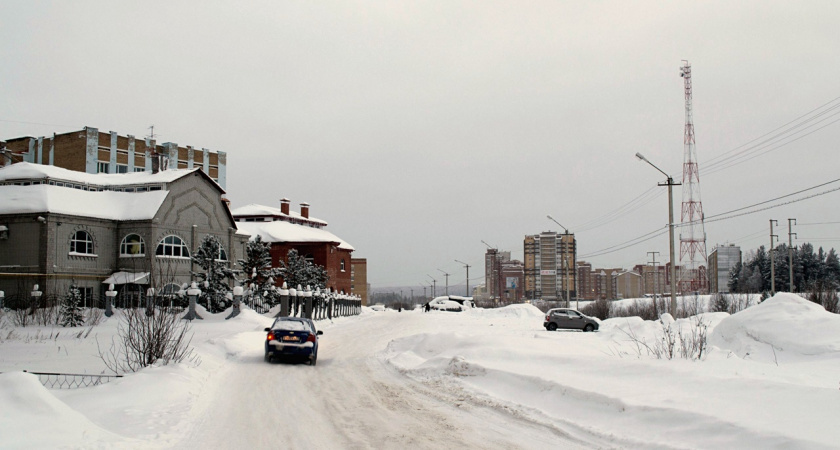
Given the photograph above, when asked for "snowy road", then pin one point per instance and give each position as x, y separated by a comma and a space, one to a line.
353, 400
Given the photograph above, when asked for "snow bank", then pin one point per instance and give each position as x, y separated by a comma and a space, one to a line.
787, 322
32, 417
522, 311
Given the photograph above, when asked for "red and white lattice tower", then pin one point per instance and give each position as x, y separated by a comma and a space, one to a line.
693, 235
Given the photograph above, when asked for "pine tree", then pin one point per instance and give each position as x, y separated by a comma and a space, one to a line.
297, 271
256, 267
214, 275
71, 311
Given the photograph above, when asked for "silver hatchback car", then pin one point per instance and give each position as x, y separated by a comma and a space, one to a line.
569, 319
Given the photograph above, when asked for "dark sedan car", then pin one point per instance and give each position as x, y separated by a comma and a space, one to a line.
568, 319
292, 338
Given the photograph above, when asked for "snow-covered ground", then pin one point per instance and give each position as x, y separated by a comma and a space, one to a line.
478, 379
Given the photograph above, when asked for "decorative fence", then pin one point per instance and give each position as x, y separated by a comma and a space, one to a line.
71, 380
317, 305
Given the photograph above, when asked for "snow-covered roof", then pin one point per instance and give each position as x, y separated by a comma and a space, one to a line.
26, 170
261, 210
280, 231
110, 205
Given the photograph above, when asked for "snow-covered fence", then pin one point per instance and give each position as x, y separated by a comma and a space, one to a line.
317, 305
71, 380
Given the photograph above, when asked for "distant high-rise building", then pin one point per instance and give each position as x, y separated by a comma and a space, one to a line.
492, 271
721, 261
550, 266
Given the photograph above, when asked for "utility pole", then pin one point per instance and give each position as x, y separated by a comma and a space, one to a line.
564, 263
446, 275
434, 286
468, 276
772, 260
670, 183
655, 281
791, 234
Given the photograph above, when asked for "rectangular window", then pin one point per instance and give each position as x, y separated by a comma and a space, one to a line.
102, 167
139, 169
122, 168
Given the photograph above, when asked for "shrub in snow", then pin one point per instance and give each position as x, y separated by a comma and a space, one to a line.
685, 339
71, 311
297, 271
214, 274
143, 340
257, 267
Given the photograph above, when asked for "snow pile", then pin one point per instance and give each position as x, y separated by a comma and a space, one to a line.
785, 322
32, 417
523, 311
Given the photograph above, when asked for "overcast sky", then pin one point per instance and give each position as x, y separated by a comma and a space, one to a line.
419, 129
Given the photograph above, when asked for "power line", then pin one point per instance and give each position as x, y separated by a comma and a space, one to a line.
717, 218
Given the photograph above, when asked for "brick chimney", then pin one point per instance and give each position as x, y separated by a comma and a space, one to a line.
304, 210
284, 205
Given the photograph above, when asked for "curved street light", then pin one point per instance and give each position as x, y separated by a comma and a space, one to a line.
670, 183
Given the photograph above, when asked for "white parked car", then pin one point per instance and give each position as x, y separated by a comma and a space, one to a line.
454, 303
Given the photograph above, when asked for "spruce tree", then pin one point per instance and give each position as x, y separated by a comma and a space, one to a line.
71, 311
214, 276
257, 270
297, 271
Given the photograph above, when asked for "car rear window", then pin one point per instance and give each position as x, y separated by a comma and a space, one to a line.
290, 325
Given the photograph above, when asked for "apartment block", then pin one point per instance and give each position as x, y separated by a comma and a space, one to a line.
721, 261
549, 266
91, 151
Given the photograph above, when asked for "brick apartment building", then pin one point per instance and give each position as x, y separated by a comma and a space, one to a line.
550, 266
358, 279
91, 151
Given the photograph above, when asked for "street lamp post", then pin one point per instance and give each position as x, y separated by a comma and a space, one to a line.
446, 275
468, 276
670, 183
434, 285
565, 266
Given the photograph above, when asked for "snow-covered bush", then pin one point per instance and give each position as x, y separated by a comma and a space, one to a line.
70, 314
214, 274
143, 340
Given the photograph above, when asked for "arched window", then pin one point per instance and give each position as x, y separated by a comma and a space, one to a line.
222, 254
81, 242
132, 245
172, 246
342, 264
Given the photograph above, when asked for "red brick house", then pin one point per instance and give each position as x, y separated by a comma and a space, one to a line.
287, 230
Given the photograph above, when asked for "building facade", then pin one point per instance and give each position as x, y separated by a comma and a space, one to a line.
91, 151
358, 279
628, 284
549, 266
721, 261
493, 280
135, 230
513, 277
286, 230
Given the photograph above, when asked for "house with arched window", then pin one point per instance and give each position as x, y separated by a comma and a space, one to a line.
133, 230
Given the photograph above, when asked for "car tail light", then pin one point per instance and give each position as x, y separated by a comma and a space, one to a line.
547, 318
311, 338
270, 337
